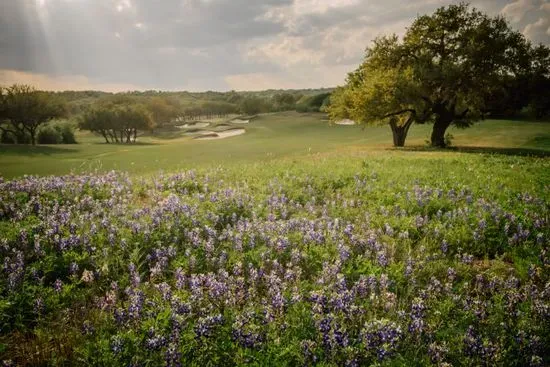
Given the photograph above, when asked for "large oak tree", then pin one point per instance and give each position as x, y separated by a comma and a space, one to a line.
445, 70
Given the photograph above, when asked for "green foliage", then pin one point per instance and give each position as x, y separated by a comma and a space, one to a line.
60, 132
254, 105
285, 101
314, 103
448, 68
49, 135
163, 110
23, 110
117, 119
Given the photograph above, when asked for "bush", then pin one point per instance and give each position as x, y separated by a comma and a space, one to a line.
9, 138
49, 135
6, 138
313, 103
67, 133
59, 133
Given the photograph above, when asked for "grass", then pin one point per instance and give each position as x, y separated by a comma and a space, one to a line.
269, 137
370, 255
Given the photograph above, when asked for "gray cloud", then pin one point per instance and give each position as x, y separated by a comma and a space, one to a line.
210, 44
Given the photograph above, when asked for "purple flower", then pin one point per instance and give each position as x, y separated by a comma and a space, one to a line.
444, 246
117, 344
58, 286
205, 325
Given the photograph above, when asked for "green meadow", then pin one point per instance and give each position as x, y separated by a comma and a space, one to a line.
270, 137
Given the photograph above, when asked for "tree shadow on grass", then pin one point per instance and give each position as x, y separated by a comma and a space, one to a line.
29, 150
530, 152
170, 137
137, 144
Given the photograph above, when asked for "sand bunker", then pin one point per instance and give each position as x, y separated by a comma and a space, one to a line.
192, 125
240, 121
345, 122
211, 135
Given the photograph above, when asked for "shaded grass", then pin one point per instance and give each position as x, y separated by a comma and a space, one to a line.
531, 152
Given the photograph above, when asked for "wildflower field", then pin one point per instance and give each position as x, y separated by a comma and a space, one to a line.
397, 258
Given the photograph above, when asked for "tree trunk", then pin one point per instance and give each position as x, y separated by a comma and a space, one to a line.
438, 133
104, 136
32, 133
135, 135
400, 132
114, 136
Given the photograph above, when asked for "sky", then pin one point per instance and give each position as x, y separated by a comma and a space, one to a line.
198, 45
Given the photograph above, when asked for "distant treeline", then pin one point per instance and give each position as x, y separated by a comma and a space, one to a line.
31, 116
197, 105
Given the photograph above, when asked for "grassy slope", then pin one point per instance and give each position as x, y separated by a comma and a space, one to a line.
283, 135
277, 149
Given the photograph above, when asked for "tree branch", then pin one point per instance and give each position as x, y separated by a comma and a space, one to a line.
399, 113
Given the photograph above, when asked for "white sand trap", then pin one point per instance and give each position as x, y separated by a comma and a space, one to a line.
199, 132
345, 122
196, 124
239, 121
210, 135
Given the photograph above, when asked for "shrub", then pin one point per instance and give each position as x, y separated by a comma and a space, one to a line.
312, 103
59, 133
67, 133
6, 138
49, 135
9, 138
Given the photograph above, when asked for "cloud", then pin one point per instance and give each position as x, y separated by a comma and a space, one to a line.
71, 82
516, 10
538, 31
532, 17
211, 44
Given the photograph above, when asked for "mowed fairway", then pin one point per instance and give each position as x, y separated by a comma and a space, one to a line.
272, 136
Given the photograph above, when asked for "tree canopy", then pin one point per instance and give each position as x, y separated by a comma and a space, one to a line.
445, 70
117, 119
23, 110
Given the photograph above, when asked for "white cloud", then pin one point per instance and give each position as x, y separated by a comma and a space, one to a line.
539, 30
516, 10
532, 17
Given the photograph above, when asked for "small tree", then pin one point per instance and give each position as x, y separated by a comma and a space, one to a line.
161, 110
253, 105
25, 109
284, 101
99, 120
130, 119
117, 123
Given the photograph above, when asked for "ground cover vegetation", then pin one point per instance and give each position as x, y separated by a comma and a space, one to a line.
281, 264
287, 268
